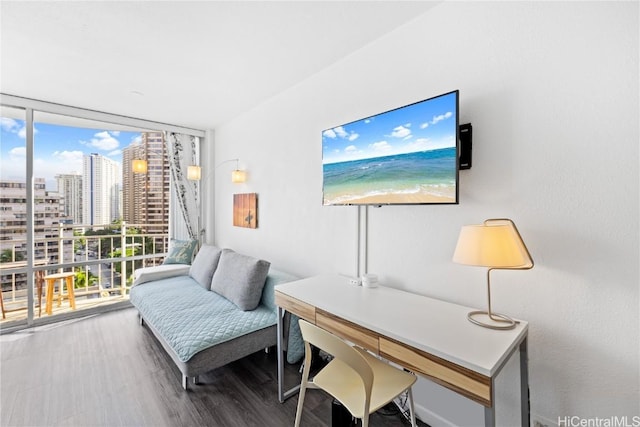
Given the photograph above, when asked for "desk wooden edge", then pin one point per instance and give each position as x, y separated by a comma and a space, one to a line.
295, 306
468, 383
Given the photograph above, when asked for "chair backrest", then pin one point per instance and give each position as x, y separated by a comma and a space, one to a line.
340, 350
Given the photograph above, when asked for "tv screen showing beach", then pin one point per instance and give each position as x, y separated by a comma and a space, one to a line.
404, 156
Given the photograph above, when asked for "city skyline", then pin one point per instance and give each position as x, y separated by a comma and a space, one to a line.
58, 149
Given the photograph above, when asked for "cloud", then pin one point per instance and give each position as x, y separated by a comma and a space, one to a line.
441, 117
103, 141
18, 152
68, 156
72, 160
329, 133
13, 126
420, 144
380, 146
351, 149
115, 153
401, 132
341, 132
9, 125
427, 144
424, 125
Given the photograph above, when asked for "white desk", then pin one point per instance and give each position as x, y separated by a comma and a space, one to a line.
430, 337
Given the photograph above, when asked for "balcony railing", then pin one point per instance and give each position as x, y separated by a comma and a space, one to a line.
102, 259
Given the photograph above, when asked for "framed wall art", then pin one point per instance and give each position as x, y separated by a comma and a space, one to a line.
245, 210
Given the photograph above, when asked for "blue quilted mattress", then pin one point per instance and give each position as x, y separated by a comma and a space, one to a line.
199, 318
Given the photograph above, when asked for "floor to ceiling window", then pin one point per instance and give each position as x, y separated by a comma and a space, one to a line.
71, 206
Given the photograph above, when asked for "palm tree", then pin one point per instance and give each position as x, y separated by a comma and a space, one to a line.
81, 278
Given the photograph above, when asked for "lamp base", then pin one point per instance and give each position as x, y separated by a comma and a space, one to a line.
502, 322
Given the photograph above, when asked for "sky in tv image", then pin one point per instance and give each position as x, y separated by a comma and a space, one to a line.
426, 125
407, 155
58, 149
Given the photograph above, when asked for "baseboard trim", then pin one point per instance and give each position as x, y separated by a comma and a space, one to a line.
434, 420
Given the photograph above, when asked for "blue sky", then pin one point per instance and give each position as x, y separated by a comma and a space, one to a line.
423, 126
58, 149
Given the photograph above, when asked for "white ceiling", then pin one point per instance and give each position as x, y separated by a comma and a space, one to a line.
196, 64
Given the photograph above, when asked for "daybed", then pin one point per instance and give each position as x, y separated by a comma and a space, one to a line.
219, 309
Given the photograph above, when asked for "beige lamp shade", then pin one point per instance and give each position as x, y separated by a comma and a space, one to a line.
238, 176
194, 172
494, 244
139, 166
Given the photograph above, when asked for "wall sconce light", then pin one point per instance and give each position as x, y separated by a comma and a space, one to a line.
139, 166
194, 172
495, 244
238, 176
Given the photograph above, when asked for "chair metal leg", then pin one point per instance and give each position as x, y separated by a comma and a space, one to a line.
412, 412
185, 382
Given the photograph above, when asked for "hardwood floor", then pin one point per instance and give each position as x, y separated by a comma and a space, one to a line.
106, 370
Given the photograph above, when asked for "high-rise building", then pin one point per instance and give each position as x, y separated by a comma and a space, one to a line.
47, 232
145, 196
132, 183
70, 189
100, 190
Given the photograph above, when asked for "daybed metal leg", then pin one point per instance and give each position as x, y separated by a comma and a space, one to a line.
196, 380
185, 382
140, 319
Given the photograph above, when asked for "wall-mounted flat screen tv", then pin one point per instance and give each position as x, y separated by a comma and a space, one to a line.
404, 156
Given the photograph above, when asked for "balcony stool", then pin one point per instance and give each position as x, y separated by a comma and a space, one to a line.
66, 277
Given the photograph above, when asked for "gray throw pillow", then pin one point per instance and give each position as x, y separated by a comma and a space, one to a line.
240, 279
205, 264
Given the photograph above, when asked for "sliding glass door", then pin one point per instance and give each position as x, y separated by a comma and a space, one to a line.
72, 205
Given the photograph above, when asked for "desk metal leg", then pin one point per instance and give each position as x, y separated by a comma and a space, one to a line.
490, 412
282, 395
280, 356
524, 382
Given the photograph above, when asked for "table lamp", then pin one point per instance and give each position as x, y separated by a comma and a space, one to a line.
495, 244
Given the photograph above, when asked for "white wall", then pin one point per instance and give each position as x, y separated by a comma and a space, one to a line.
552, 92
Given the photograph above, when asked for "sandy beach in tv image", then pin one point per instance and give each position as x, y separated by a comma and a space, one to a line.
403, 156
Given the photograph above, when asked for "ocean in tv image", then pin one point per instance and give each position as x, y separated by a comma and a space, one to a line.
393, 179
403, 156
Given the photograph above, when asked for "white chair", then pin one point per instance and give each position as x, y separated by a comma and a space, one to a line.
360, 381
